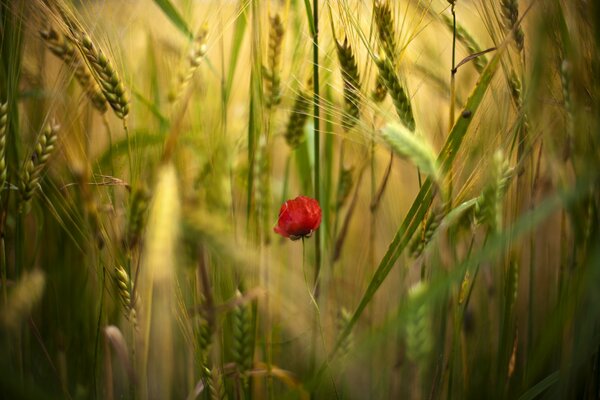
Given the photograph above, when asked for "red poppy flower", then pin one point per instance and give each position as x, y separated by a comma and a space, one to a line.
298, 218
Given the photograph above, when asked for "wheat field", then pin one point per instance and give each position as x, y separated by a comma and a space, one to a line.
324, 199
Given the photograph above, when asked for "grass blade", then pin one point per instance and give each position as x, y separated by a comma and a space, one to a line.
171, 12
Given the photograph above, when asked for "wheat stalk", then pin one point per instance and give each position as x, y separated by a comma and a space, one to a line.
3, 124
463, 36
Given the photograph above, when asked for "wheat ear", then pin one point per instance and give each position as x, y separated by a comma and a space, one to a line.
64, 49
294, 133
510, 13
271, 73
351, 80
397, 93
31, 171
385, 28
106, 76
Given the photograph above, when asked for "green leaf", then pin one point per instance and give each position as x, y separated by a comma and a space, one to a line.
238, 38
539, 388
171, 12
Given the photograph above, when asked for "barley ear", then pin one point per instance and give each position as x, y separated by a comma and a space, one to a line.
137, 216
488, 208
111, 85
271, 73
195, 57
397, 93
510, 13
294, 134
419, 337
351, 80
31, 172
380, 91
431, 225
412, 147
63, 48
242, 337
385, 29
125, 290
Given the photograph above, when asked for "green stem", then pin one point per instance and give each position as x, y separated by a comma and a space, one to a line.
317, 141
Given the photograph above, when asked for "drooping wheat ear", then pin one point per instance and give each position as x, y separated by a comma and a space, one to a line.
344, 187
412, 147
464, 37
63, 48
419, 338
294, 134
380, 91
33, 167
488, 208
137, 215
196, 54
271, 72
385, 29
510, 13
3, 123
124, 288
343, 317
431, 225
242, 336
351, 80
397, 93
105, 74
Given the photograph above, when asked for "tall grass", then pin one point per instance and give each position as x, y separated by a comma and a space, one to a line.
137, 252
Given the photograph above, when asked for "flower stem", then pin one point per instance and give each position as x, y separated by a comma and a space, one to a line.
317, 141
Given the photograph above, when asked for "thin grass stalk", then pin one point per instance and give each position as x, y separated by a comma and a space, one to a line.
317, 137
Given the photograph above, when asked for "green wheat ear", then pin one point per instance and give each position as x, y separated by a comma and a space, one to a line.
271, 72
65, 49
419, 338
396, 92
351, 80
31, 172
412, 147
294, 134
242, 336
385, 29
